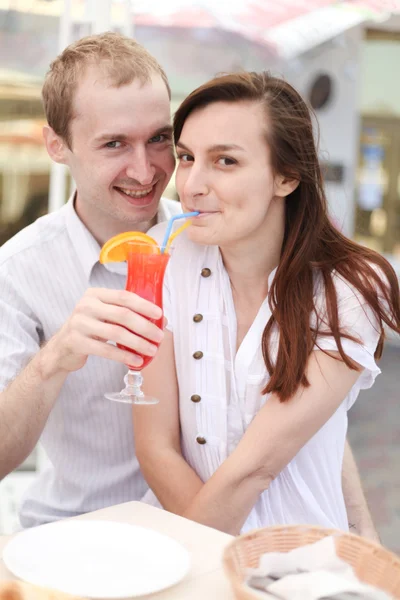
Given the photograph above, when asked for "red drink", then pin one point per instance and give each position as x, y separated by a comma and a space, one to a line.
145, 278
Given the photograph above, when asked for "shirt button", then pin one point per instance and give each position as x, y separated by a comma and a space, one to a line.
201, 440
206, 272
195, 398
197, 355
197, 318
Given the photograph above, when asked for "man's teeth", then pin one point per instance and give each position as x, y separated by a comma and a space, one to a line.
133, 194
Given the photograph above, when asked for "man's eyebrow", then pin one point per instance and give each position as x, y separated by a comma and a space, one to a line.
106, 137
215, 147
165, 129
122, 137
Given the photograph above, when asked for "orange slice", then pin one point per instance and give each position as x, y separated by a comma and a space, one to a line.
118, 247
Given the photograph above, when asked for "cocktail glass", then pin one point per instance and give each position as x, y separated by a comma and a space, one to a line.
146, 270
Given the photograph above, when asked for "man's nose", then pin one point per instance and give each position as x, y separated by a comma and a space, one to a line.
140, 167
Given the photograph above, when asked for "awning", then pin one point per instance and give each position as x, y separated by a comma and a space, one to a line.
287, 27
193, 39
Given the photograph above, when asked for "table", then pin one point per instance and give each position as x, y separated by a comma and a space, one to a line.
206, 578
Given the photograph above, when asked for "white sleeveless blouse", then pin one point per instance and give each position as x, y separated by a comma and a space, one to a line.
220, 389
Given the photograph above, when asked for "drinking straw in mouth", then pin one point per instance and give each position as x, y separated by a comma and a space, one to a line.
167, 240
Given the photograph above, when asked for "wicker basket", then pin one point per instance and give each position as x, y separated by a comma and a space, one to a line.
372, 563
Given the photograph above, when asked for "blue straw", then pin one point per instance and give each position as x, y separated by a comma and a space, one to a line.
171, 222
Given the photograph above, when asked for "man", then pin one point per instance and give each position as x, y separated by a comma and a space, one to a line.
107, 105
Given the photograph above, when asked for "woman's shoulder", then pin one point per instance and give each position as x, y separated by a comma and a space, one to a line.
346, 289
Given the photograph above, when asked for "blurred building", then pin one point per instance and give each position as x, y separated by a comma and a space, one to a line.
341, 56
377, 197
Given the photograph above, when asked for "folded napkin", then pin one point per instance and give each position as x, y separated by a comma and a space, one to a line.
312, 572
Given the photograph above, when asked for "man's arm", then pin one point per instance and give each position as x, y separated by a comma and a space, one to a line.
101, 315
24, 408
358, 513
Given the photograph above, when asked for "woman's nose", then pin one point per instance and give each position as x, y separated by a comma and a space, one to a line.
196, 183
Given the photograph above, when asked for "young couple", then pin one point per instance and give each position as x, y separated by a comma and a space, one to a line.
275, 319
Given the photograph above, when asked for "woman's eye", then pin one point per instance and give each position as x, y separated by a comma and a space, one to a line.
226, 162
113, 144
185, 157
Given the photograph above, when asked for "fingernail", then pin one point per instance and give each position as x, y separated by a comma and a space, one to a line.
152, 350
159, 336
136, 361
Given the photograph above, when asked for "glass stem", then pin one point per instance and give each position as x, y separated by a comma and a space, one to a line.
133, 382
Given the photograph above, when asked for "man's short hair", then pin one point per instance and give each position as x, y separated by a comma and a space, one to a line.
120, 59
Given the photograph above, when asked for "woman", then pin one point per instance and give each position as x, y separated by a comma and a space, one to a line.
281, 323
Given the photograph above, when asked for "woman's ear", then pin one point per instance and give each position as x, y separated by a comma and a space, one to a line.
55, 145
285, 186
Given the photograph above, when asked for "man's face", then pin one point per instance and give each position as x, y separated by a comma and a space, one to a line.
121, 155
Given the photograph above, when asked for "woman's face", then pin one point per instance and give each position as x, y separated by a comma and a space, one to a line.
224, 172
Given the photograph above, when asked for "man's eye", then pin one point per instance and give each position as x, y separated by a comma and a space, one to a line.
113, 144
157, 139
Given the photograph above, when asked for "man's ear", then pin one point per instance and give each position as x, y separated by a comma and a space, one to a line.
285, 186
56, 147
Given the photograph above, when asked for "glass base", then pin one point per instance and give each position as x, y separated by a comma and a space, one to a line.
131, 398
132, 394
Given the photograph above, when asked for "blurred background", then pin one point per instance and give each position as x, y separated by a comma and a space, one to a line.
343, 58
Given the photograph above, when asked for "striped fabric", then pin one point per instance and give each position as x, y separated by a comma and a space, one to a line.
44, 271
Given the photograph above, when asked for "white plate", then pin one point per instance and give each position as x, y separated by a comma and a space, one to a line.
97, 559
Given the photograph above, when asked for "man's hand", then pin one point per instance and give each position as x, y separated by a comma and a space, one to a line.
368, 532
359, 516
103, 316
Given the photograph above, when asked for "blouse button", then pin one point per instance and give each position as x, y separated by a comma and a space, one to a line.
197, 318
198, 354
201, 440
206, 272
195, 398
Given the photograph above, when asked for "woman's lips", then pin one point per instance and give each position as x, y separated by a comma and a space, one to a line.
206, 213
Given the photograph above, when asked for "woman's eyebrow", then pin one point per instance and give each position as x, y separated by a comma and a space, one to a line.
225, 148
216, 147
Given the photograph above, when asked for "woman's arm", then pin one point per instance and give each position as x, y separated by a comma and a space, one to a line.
157, 435
229, 496
272, 440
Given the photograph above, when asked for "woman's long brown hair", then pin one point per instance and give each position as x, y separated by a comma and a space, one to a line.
311, 242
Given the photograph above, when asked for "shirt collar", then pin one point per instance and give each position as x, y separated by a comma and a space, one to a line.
163, 213
85, 245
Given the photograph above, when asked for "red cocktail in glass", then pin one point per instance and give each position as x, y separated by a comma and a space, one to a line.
146, 270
